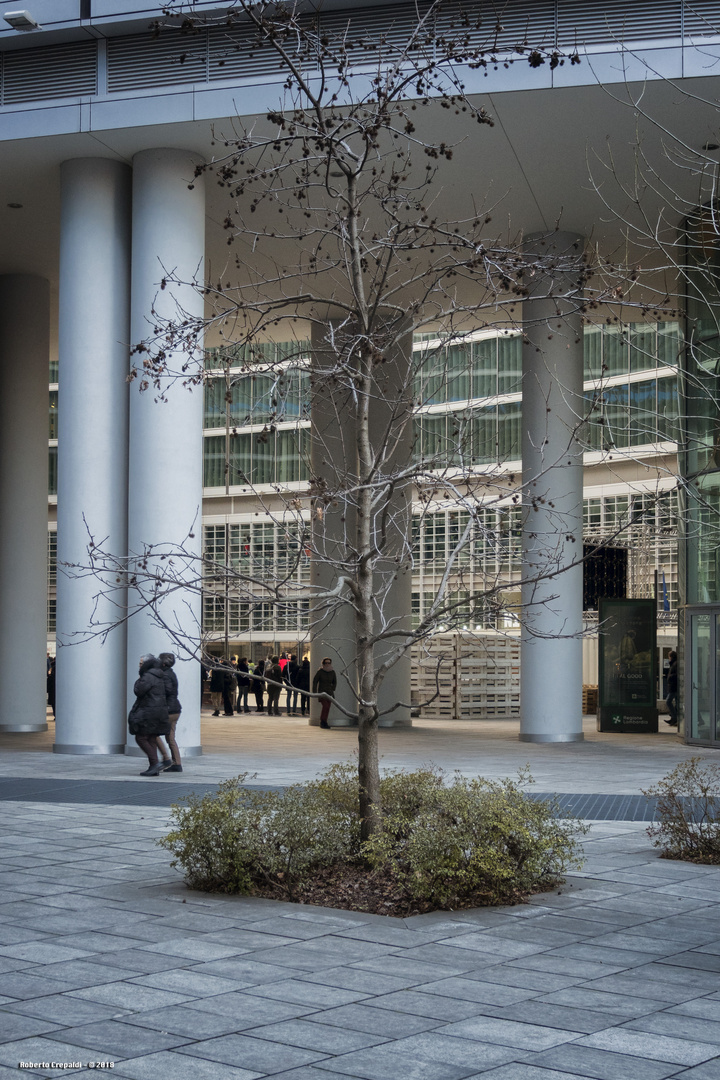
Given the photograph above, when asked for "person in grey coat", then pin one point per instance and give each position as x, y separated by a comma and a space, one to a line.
167, 659
149, 715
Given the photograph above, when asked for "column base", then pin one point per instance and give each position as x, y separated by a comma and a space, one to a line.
131, 750
576, 736
82, 749
22, 728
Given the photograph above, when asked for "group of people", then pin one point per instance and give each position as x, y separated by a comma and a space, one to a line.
155, 713
233, 680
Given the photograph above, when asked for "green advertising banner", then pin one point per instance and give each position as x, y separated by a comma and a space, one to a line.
627, 652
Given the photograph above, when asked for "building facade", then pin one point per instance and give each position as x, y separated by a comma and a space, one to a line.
104, 126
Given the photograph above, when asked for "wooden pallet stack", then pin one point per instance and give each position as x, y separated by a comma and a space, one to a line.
478, 676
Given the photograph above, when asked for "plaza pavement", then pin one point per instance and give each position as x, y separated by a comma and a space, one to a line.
105, 956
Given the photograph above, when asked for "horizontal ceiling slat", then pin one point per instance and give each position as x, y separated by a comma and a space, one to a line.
702, 18
235, 52
50, 72
140, 62
593, 22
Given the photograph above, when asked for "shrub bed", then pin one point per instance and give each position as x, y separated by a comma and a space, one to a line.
688, 812
443, 845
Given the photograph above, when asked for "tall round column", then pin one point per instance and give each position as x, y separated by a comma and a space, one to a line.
165, 459
24, 347
333, 457
94, 330
552, 410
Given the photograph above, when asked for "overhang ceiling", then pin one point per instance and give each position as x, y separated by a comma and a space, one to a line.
558, 155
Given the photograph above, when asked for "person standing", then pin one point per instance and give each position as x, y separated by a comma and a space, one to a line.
303, 684
325, 682
672, 687
229, 687
149, 715
217, 683
167, 659
275, 672
243, 680
259, 685
292, 673
50, 684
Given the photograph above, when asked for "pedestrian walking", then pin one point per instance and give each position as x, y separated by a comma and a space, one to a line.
275, 673
217, 685
672, 689
167, 659
325, 682
149, 715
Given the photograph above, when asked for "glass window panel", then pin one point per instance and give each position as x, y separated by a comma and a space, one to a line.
52, 470
291, 456
700, 674
668, 343
240, 400
643, 418
592, 429
214, 461
509, 431
433, 441
214, 404
53, 425
264, 397
52, 559
509, 364
615, 351
433, 382
484, 354
592, 350
458, 372
240, 464
53, 373
263, 458
643, 346
484, 435
668, 410
615, 414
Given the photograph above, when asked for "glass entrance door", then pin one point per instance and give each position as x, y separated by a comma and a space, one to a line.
702, 675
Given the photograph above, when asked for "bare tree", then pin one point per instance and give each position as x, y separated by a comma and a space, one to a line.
343, 228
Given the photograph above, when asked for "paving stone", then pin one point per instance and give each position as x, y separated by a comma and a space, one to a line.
655, 1047
40, 1049
316, 1036
417, 970
426, 1004
678, 1026
42, 952
249, 1011
706, 1008
185, 1021
256, 1055
139, 961
179, 1067
433, 1046
198, 950
122, 995
620, 1005
466, 989
365, 982
21, 985
509, 1033
312, 994
600, 1064
635, 984
14, 1026
244, 972
114, 1038
191, 983
555, 1016
361, 1017
381, 1064
66, 1010
709, 1071
694, 960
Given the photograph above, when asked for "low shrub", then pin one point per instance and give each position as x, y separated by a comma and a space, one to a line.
442, 844
688, 812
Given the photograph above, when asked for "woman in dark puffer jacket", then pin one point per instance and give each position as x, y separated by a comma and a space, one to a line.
167, 659
149, 715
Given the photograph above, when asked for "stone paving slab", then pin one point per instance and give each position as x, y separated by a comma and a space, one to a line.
605, 978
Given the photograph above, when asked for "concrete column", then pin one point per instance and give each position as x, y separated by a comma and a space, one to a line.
334, 465
24, 348
94, 330
552, 410
165, 460
391, 433
333, 460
